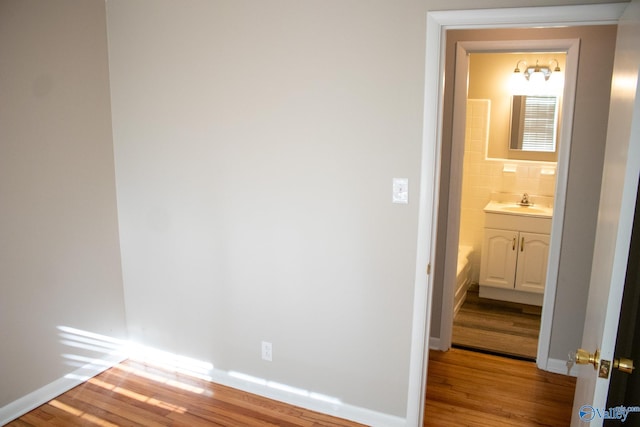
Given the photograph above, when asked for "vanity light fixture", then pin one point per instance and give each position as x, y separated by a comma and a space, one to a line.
537, 72
537, 79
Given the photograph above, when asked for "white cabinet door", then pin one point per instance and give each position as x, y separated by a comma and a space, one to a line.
532, 262
499, 254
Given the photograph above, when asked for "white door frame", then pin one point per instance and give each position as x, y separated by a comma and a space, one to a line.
437, 24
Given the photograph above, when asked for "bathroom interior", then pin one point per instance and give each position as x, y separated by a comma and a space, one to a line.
507, 199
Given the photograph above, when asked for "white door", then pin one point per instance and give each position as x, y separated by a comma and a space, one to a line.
615, 218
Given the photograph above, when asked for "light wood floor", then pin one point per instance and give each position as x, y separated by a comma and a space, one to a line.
464, 389
135, 394
497, 326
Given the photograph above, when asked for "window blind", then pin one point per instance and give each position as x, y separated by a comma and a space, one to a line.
539, 124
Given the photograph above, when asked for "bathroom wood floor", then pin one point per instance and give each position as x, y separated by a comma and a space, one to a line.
497, 326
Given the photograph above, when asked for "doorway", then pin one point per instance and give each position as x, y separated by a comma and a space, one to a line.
581, 143
497, 289
428, 296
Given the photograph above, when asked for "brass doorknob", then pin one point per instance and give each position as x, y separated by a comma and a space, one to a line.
623, 364
583, 357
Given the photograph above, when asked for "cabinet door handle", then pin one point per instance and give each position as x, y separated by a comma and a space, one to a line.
513, 248
522, 245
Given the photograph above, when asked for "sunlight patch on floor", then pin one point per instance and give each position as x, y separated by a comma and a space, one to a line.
80, 414
137, 396
161, 379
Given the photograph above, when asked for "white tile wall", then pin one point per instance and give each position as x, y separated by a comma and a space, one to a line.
482, 177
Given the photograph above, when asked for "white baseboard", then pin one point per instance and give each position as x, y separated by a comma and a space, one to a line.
511, 295
306, 400
50, 391
558, 366
434, 343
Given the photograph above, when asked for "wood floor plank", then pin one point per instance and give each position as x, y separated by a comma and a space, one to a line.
230, 401
439, 414
497, 326
126, 410
49, 415
477, 389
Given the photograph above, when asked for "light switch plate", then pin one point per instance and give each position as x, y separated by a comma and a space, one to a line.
400, 192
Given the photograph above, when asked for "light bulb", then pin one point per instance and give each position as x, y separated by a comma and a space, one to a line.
556, 82
537, 83
517, 83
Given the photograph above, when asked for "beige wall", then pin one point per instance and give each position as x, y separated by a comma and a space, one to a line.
59, 248
256, 143
585, 169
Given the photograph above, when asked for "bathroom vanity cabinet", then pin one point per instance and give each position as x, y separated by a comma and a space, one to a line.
514, 257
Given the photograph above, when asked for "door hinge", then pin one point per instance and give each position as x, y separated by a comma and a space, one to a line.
428, 269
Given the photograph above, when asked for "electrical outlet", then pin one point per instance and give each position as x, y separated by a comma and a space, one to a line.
267, 351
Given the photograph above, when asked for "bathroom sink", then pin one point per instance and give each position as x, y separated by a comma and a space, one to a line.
526, 209
516, 209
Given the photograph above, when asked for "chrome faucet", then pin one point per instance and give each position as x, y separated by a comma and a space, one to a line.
525, 200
